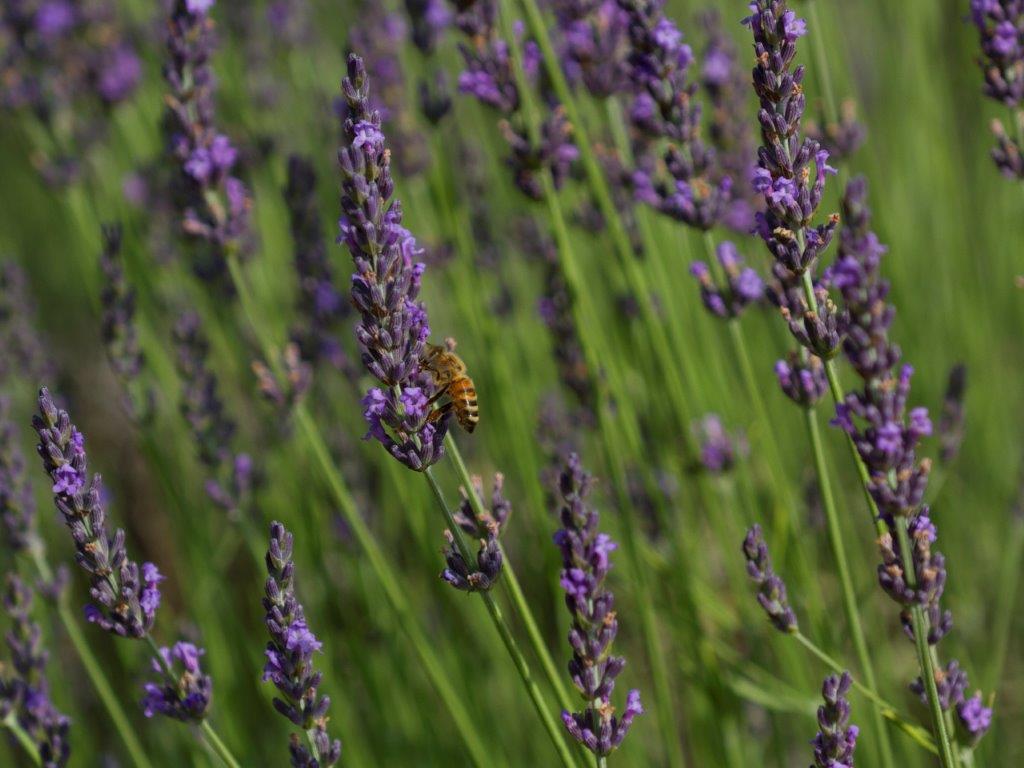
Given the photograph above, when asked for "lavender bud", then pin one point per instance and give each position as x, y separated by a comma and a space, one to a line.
836, 738
743, 288
771, 589
187, 698
718, 449
841, 138
975, 717
586, 560
802, 378
821, 331
290, 655
17, 504
952, 421
125, 600
593, 44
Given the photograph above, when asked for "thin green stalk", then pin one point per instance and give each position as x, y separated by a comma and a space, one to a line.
11, 724
821, 64
835, 536
511, 583
93, 670
887, 710
1009, 579
547, 719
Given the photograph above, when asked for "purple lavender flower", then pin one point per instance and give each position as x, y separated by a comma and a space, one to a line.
836, 738
321, 307
17, 504
586, 560
593, 44
952, 422
430, 19
718, 449
974, 716
792, 193
187, 698
124, 601
1000, 25
230, 474
25, 354
771, 593
841, 138
744, 286
802, 378
24, 689
393, 326
487, 528
213, 203
290, 658
554, 153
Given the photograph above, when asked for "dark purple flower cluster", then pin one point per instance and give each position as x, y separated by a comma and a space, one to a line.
185, 692
17, 504
24, 690
744, 286
952, 422
586, 560
771, 589
686, 182
118, 327
290, 658
1000, 26
430, 19
488, 528
725, 83
378, 38
321, 307
231, 475
393, 326
841, 138
25, 354
125, 597
822, 331
718, 449
489, 76
785, 159
213, 203
886, 436
836, 737
951, 683
802, 378
593, 44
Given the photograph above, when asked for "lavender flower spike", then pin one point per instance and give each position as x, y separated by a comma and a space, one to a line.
489, 558
290, 658
125, 597
586, 557
771, 589
836, 738
188, 698
393, 326
743, 287
953, 418
792, 192
24, 690
17, 504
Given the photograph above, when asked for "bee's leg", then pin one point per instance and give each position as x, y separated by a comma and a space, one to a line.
439, 413
437, 395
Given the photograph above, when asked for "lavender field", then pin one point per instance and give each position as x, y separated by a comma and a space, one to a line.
507, 383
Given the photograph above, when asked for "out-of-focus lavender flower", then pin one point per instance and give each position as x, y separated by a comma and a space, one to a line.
487, 529
430, 19
586, 560
213, 203
1000, 25
124, 597
435, 98
286, 385
842, 138
771, 589
187, 698
744, 285
802, 378
555, 153
718, 449
231, 475
378, 38
952, 422
17, 504
321, 308
593, 44
118, 327
289, 653
725, 83
24, 689
25, 354
685, 183
393, 326
792, 192
974, 716
836, 737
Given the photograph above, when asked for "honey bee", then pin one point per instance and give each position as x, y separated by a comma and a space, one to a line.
450, 377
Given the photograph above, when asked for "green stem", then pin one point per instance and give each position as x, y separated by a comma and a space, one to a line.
887, 710
821, 64
547, 719
11, 724
835, 536
511, 583
1005, 614
93, 670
